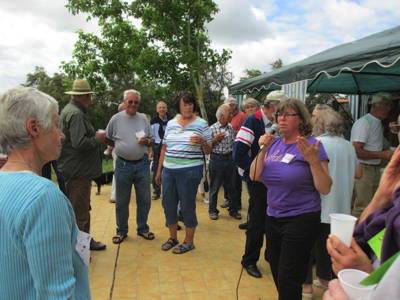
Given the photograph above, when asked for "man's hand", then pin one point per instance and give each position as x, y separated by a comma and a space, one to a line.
335, 291
101, 136
218, 138
344, 257
144, 141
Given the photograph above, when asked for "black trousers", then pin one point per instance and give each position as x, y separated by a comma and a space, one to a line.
290, 241
256, 223
156, 158
320, 256
46, 172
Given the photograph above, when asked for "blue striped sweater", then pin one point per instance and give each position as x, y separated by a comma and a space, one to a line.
37, 245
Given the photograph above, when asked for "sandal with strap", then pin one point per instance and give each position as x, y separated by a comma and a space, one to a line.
118, 238
183, 248
147, 235
171, 243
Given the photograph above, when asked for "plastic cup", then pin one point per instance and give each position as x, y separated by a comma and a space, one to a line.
342, 226
350, 281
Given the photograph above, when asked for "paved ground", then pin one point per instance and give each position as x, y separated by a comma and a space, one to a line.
138, 269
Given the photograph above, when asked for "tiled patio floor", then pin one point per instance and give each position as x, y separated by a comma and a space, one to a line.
143, 272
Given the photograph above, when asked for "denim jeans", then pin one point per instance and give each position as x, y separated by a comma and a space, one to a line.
179, 188
221, 174
138, 174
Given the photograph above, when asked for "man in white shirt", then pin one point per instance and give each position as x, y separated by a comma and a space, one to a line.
367, 138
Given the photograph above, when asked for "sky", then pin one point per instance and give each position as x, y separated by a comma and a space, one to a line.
258, 32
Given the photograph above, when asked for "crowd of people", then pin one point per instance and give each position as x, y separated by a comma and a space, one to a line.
297, 169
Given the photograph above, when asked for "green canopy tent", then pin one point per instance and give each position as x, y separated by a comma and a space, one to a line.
365, 66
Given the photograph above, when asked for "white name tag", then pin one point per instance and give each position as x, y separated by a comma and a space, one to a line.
288, 158
82, 246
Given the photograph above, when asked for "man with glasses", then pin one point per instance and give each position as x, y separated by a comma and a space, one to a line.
245, 149
129, 133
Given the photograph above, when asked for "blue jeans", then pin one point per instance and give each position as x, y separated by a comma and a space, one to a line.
179, 187
138, 174
222, 172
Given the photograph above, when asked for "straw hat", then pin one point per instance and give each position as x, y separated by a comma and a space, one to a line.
80, 87
276, 96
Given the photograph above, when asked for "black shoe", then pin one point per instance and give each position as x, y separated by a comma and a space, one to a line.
225, 204
97, 246
243, 226
235, 215
252, 270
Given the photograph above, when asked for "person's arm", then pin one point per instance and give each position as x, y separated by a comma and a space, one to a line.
366, 155
47, 230
160, 164
344, 257
79, 139
257, 166
319, 170
242, 145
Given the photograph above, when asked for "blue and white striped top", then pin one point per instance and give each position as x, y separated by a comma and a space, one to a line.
180, 152
38, 234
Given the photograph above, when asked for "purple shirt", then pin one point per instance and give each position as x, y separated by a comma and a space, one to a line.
290, 185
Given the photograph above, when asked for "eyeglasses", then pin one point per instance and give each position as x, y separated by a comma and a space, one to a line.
285, 114
133, 102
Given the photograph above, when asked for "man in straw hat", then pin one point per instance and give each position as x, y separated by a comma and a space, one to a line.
80, 160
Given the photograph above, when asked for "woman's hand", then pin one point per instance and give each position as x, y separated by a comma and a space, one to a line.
266, 140
390, 179
335, 291
158, 178
197, 139
309, 151
344, 257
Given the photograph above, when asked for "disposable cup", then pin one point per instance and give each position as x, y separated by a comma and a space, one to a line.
350, 281
342, 226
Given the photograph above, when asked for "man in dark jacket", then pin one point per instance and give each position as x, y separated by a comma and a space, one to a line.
80, 160
245, 149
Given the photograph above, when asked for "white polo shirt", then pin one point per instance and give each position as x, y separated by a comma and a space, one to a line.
368, 130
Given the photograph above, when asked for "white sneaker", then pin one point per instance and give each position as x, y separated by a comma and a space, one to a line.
205, 200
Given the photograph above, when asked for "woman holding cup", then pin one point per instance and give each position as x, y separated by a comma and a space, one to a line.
180, 168
294, 168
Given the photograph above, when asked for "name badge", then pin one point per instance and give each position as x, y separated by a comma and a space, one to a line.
82, 246
288, 158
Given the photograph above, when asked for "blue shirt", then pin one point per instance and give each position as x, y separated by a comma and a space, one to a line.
37, 245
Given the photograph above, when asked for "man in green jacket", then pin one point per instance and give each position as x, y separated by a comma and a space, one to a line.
80, 160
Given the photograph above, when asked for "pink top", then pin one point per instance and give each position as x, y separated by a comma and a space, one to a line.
238, 120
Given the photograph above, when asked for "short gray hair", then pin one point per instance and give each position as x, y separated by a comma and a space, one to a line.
131, 91
250, 101
328, 121
221, 109
16, 107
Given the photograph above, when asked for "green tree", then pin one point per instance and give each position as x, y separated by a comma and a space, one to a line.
276, 64
171, 48
250, 73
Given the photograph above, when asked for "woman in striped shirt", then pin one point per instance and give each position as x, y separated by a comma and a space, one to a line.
187, 138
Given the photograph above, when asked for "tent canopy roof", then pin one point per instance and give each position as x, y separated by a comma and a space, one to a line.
366, 66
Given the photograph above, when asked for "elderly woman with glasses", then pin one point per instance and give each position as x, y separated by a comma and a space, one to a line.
187, 139
43, 254
294, 168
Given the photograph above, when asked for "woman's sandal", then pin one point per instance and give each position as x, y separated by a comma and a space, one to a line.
118, 238
147, 235
171, 243
183, 248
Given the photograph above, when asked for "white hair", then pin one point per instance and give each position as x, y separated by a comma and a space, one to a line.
221, 109
16, 107
131, 91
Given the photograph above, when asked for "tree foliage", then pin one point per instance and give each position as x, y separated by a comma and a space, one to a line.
170, 49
